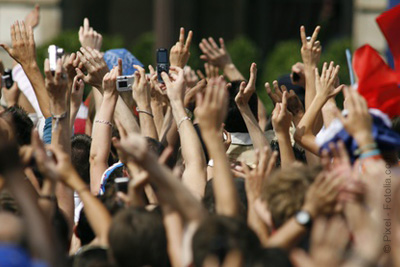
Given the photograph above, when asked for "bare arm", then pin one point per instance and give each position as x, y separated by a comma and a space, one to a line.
194, 176
23, 50
101, 135
215, 102
242, 99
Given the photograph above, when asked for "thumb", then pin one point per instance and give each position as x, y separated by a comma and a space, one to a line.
79, 74
166, 79
6, 47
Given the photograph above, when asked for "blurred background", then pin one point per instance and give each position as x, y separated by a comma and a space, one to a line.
261, 31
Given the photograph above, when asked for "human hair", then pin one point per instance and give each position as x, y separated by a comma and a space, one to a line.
285, 190
91, 256
218, 235
83, 229
22, 124
209, 198
154, 145
80, 154
234, 121
137, 237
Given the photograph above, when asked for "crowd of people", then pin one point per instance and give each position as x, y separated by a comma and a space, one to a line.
187, 168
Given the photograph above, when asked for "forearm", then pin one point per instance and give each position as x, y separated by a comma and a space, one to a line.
147, 126
232, 73
125, 115
174, 232
288, 235
194, 176
309, 71
256, 134
157, 108
101, 141
34, 75
96, 213
74, 113
255, 222
304, 133
226, 196
286, 150
41, 237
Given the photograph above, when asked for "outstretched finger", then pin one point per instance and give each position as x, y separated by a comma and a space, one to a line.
315, 34
189, 40
303, 35
182, 36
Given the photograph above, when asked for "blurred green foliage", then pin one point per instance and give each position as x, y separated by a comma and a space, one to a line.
243, 52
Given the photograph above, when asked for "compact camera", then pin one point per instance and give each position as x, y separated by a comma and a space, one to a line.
7, 79
124, 83
162, 63
55, 53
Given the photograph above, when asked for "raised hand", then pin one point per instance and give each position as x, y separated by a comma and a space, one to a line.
23, 48
71, 62
141, 89
77, 90
324, 84
247, 90
358, 123
217, 56
155, 84
281, 117
211, 71
276, 94
56, 86
176, 84
212, 107
33, 17
190, 76
89, 37
310, 50
255, 178
190, 95
95, 65
179, 54
110, 83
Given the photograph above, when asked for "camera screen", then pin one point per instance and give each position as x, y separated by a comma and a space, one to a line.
162, 57
122, 84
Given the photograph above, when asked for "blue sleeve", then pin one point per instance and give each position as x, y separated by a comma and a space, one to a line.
47, 130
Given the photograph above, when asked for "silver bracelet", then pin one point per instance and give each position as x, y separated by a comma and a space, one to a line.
58, 118
104, 122
182, 120
145, 112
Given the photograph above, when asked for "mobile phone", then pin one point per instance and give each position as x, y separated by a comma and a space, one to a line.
124, 83
55, 53
162, 63
121, 184
7, 79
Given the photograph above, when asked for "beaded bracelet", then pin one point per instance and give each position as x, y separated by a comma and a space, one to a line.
371, 153
182, 120
145, 112
104, 122
365, 148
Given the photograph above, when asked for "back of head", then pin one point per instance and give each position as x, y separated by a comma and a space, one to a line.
234, 121
91, 256
137, 238
218, 235
22, 124
83, 229
285, 190
80, 154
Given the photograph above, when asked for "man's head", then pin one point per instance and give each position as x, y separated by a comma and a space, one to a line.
234, 121
285, 191
218, 235
18, 119
137, 238
80, 153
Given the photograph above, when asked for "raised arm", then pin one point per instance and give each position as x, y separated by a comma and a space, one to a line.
242, 101
219, 56
101, 135
194, 176
23, 51
59, 106
141, 94
304, 133
281, 121
215, 102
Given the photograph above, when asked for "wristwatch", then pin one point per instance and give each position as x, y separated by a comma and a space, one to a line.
303, 218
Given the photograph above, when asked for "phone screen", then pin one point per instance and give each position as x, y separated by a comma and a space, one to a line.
162, 57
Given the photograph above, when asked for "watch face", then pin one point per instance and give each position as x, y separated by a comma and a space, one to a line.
303, 217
